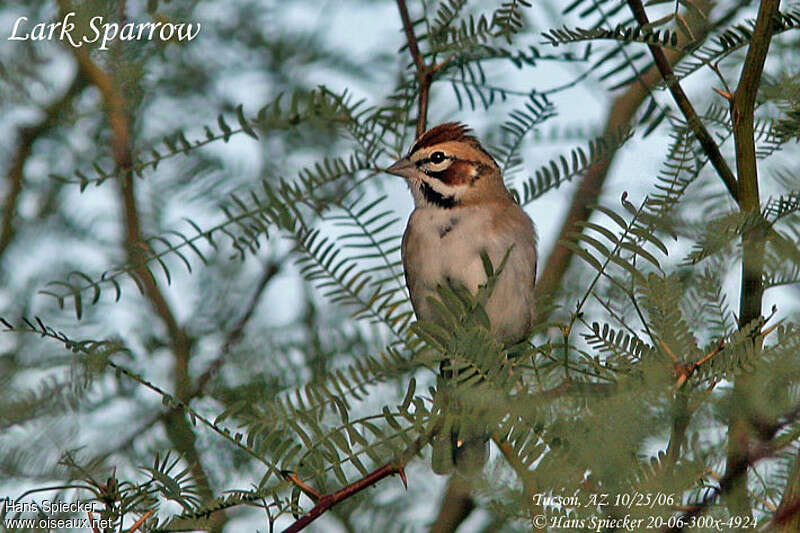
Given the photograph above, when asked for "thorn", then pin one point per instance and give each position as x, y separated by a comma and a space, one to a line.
139, 522
772, 314
771, 329
668, 351
440, 65
308, 490
402, 472
725, 94
92, 522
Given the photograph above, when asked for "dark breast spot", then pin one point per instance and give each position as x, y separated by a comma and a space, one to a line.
444, 229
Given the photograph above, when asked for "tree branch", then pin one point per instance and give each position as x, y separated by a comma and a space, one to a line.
752, 288
681, 416
329, 500
787, 518
703, 136
456, 506
765, 448
424, 72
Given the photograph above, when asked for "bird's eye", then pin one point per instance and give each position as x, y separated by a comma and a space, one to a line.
437, 157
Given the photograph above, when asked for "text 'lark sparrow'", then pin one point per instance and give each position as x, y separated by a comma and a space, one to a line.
463, 210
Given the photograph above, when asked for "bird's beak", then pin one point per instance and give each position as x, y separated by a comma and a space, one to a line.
402, 167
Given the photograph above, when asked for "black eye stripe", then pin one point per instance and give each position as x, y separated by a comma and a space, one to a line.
435, 175
427, 160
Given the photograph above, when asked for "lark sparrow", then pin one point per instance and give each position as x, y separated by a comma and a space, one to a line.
463, 209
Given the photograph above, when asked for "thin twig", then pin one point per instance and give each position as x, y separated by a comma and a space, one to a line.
27, 136
139, 522
668, 351
307, 489
395, 467
92, 522
703, 136
685, 371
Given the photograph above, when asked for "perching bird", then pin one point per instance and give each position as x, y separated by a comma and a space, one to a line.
463, 210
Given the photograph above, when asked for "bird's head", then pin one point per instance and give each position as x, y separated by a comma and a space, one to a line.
447, 167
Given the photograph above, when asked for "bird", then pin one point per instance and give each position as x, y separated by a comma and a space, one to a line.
462, 213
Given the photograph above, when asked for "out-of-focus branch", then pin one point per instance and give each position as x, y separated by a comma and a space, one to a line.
523, 473
681, 415
766, 447
457, 504
235, 334
27, 137
787, 517
178, 429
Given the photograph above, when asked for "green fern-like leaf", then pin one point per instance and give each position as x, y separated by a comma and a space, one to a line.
565, 168
179, 486
731, 39
303, 106
621, 349
508, 18
518, 125
565, 35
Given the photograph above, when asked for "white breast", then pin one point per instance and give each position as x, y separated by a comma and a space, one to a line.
447, 243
